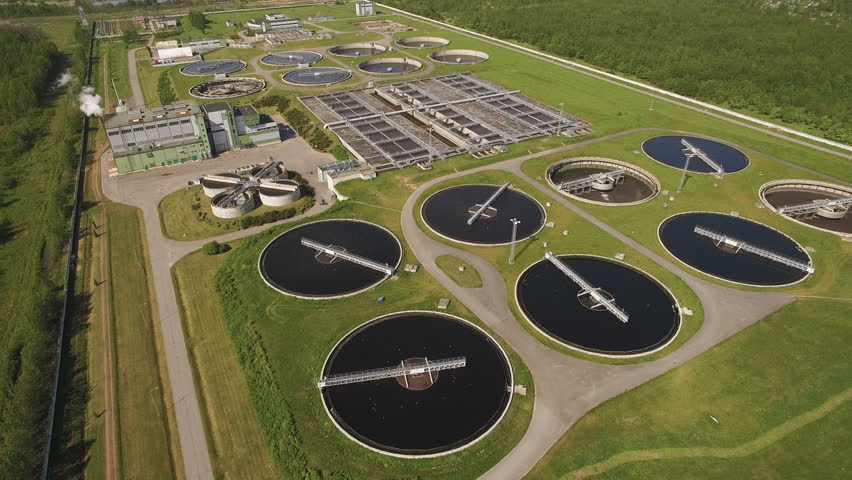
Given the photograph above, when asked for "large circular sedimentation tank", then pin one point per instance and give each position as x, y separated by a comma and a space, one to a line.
227, 88
315, 76
294, 269
418, 415
357, 49
447, 211
553, 304
213, 67
725, 261
632, 187
459, 56
238, 206
668, 150
779, 194
290, 59
277, 197
422, 42
387, 66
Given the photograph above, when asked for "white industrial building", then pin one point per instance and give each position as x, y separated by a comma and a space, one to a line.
365, 9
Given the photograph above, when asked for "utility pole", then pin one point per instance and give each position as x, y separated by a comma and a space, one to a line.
559, 123
515, 223
683, 176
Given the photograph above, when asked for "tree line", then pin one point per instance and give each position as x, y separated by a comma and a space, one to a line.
790, 64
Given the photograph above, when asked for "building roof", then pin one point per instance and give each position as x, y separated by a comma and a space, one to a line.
216, 107
144, 115
245, 110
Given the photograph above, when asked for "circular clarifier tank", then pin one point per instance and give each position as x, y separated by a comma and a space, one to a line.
290, 59
357, 49
213, 67
559, 308
227, 88
723, 251
389, 66
603, 181
422, 42
448, 211
425, 413
292, 268
459, 56
813, 203
668, 150
315, 76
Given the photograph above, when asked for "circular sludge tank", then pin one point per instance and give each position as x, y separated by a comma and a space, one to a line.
357, 49
224, 205
387, 66
668, 150
557, 307
810, 202
290, 59
448, 211
213, 186
315, 76
459, 56
279, 193
294, 269
212, 67
422, 42
603, 181
719, 251
422, 414
227, 88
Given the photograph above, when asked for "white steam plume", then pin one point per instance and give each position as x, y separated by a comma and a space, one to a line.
63, 80
90, 102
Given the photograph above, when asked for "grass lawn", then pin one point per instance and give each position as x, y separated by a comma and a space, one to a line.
292, 362
180, 221
779, 391
735, 192
234, 437
147, 438
468, 277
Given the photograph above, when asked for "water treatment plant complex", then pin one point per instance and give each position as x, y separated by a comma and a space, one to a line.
390, 247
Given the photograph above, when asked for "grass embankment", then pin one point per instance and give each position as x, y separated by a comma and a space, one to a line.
236, 444
186, 215
457, 269
281, 343
147, 433
582, 238
737, 192
778, 389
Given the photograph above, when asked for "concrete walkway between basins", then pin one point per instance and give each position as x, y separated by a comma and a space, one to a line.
568, 387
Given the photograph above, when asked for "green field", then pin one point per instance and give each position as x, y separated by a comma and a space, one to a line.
468, 277
180, 220
778, 389
279, 365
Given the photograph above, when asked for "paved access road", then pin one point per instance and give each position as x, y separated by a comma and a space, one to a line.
145, 190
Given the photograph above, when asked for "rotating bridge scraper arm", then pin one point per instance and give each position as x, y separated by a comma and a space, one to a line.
351, 257
487, 203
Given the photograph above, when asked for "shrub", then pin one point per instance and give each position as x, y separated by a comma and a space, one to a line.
215, 248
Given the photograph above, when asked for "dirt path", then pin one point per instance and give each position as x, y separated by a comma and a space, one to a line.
742, 450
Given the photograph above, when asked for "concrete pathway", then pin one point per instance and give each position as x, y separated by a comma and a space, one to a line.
137, 99
567, 387
145, 190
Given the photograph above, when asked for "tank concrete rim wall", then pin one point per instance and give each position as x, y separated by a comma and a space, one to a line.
381, 61
473, 53
375, 46
411, 42
636, 172
801, 184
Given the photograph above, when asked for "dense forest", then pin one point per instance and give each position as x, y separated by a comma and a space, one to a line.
789, 60
39, 138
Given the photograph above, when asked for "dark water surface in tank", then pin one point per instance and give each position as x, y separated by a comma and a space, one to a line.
701, 253
781, 198
459, 407
446, 212
293, 268
388, 67
668, 150
549, 299
631, 190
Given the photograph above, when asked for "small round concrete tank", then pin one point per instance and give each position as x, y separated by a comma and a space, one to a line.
219, 183
237, 206
278, 193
